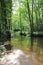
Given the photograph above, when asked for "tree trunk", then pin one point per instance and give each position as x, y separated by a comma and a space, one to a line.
30, 17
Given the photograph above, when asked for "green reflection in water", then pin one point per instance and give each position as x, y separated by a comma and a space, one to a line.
29, 44
21, 41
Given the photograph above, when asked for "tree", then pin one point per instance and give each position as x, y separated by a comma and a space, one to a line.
5, 8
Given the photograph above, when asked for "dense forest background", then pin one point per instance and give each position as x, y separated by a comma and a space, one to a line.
22, 16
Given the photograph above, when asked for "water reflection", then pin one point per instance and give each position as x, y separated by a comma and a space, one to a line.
37, 47
30, 44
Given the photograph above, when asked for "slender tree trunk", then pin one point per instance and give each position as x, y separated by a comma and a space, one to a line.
30, 17
39, 18
0, 20
5, 13
36, 13
20, 17
9, 13
42, 16
4, 17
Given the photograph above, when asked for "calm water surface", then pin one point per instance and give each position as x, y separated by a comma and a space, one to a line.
31, 46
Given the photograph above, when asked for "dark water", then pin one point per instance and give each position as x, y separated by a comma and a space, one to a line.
29, 44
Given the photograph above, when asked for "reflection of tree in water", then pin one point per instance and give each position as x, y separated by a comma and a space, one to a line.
37, 46
21, 41
32, 39
24, 41
21, 38
40, 46
40, 42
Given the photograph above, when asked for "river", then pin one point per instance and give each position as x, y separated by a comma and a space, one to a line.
32, 46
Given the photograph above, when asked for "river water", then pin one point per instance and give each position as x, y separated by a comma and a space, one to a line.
32, 46
25, 51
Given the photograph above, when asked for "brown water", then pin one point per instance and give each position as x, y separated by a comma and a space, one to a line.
31, 46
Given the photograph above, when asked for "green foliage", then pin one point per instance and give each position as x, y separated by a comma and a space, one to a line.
5, 17
27, 16
24, 17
